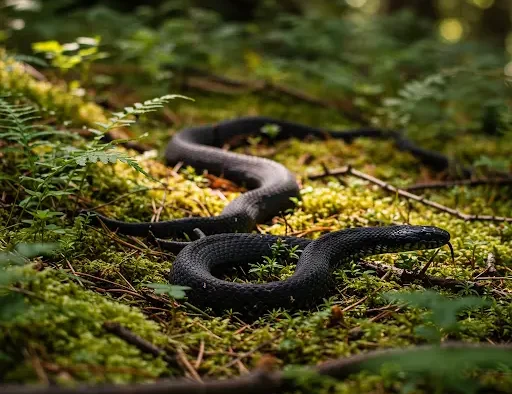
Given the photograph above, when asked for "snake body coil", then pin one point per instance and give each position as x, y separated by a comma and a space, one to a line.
310, 281
270, 186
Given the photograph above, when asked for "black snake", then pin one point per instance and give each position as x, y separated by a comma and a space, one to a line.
271, 187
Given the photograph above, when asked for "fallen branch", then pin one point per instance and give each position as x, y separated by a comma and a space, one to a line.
461, 182
260, 381
403, 193
135, 340
408, 276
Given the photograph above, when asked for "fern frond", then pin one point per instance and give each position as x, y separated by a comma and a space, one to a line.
122, 119
107, 156
16, 122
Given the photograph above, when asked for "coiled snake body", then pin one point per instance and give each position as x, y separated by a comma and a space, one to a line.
270, 186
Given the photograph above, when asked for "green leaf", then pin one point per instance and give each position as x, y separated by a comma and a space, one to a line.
444, 310
87, 51
24, 251
30, 59
102, 125
271, 130
173, 291
444, 361
36, 249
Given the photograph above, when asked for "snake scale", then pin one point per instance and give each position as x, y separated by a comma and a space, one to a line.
225, 239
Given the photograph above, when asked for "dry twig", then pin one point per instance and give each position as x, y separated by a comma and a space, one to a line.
135, 340
408, 276
182, 358
403, 193
461, 182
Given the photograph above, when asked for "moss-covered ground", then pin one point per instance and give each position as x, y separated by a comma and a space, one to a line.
99, 277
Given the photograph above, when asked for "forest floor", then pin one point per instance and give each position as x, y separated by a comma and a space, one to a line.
97, 277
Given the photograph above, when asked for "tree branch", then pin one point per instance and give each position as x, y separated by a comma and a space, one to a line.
408, 276
462, 182
139, 342
260, 381
403, 193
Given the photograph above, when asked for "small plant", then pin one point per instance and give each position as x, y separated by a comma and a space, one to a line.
487, 164
82, 52
49, 171
191, 174
420, 99
174, 291
37, 174
408, 262
354, 270
254, 140
441, 320
271, 267
271, 130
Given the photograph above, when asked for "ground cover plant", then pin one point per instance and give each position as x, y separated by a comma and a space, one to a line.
87, 104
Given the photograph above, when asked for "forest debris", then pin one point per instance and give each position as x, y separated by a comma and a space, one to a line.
243, 355
268, 363
209, 82
135, 340
428, 263
408, 276
35, 361
223, 184
490, 270
305, 159
460, 182
348, 170
241, 367
337, 316
183, 360
200, 355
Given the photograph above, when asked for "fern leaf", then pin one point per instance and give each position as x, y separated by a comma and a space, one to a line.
122, 119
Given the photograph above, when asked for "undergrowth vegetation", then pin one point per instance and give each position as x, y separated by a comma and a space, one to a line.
65, 140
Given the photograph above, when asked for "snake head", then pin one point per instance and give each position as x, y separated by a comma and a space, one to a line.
421, 237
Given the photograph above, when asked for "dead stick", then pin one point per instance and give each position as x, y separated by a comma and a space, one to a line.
182, 358
133, 339
403, 193
407, 276
462, 182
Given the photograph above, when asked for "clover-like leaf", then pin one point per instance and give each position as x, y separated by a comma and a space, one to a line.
174, 291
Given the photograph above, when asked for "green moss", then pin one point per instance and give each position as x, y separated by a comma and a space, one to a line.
114, 266
64, 326
53, 99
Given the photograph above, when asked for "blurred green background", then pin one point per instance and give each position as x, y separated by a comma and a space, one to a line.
443, 64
